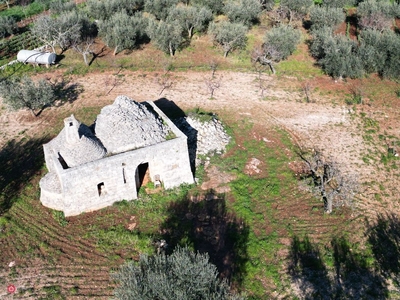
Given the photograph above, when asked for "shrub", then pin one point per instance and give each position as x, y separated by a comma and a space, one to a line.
181, 275
326, 16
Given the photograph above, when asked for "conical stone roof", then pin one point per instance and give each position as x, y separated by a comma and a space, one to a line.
76, 144
127, 125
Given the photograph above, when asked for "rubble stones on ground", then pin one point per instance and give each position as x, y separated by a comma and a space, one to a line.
204, 137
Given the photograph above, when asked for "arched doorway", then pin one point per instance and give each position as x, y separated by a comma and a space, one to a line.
142, 175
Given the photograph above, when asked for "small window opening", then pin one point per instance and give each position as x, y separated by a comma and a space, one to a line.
100, 188
62, 161
123, 173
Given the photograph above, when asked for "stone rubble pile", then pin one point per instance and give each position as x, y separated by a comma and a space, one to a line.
204, 138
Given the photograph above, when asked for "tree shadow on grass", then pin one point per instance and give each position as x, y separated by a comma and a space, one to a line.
307, 269
384, 238
19, 162
355, 277
208, 227
342, 274
67, 91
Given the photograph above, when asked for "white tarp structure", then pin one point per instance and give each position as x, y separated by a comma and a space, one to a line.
37, 57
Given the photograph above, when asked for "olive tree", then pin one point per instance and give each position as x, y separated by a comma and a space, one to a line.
326, 16
390, 45
24, 93
104, 9
374, 14
60, 6
370, 51
229, 35
242, 11
326, 179
296, 8
340, 58
166, 35
215, 6
8, 26
267, 4
60, 31
84, 43
319, 38
279, 43
181, 275
339, 3
159, 8
191, 18
122, 31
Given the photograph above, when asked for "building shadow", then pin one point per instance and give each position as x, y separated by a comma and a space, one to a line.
19, 162
342, 273
178, 117
205, 224
384, 238
169, 108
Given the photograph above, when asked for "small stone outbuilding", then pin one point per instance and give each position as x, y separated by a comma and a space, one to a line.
93, 167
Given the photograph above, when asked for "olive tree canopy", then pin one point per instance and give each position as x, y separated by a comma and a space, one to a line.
24, 93
229, 35
122, 31
181, 275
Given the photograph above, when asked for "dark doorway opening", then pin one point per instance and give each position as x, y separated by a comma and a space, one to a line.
100, 188
142, 175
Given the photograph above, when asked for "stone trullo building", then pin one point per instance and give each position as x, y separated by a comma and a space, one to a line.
93, 167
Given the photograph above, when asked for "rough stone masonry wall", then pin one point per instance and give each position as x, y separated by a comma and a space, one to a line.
204, 137
99, 183
80, 184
